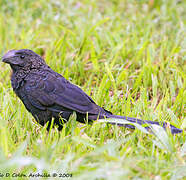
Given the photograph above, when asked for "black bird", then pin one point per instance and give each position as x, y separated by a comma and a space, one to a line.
47, 94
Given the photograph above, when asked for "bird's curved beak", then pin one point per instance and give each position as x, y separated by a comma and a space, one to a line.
7, 58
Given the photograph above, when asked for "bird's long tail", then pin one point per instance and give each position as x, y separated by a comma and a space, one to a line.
165, 125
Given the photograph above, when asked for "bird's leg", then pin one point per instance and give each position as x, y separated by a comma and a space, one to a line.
57, 121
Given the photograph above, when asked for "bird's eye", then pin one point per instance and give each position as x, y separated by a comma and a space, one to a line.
22, 56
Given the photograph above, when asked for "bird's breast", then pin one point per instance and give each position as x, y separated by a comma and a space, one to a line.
16, 83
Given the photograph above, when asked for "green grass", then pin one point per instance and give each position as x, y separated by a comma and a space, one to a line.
129, 56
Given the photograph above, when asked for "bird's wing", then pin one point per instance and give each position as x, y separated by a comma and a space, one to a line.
55, 92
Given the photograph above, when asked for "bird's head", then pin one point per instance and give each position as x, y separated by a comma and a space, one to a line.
23, 58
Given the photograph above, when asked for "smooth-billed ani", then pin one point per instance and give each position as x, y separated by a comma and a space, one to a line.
47, 94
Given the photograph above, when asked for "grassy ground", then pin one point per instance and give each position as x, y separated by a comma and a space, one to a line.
129, 56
